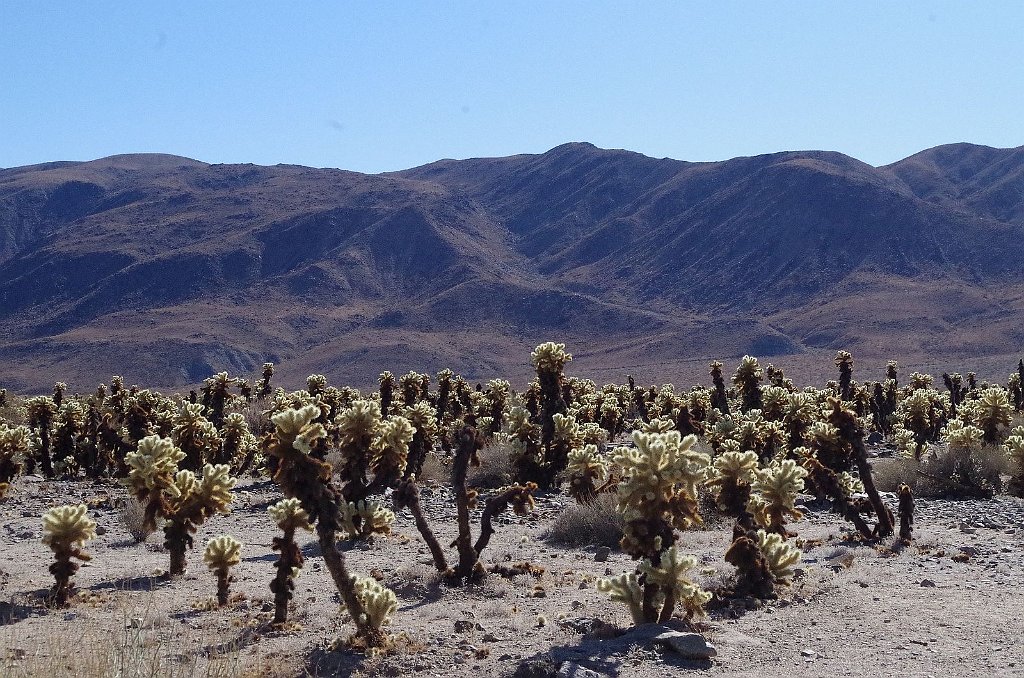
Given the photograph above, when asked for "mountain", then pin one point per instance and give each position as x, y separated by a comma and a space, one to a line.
166, 269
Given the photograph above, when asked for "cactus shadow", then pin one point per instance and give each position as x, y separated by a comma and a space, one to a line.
12, 612
136, 583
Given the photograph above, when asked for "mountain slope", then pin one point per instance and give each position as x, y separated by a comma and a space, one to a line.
168, 268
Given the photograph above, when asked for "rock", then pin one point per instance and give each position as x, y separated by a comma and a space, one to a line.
570, 670
463, 625
927, 583
536, 668
967, 529
969, 551
100, 530
808, 652
687, 645
491, 638
602, 553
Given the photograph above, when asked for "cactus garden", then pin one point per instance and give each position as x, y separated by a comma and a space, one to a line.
427, 524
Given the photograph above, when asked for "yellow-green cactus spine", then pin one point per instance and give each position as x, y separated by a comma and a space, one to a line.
66, 529
221, 554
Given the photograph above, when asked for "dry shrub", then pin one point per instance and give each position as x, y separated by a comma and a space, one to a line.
495, 468
598, 523
945, 473
435, 468
132, 514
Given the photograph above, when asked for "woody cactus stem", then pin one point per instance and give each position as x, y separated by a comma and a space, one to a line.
289, 516
407, 495
851, 430
470, 444
906, 511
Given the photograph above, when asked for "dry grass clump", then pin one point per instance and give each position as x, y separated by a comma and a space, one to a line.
495, 468
131, 645
132, 514
597, 523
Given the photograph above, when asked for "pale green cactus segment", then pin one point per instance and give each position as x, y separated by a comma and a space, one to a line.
375, 518
626, 588
550, 357
735, 466
379, 602
153, 464
781, 555
222, 552
588, 461
289, 515
774, 492
68, 527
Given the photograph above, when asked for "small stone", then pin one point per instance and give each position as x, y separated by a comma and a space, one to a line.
491, 638
808, 652
570, 670
967, 529
100, 530
927, 583
463, 625
602, 553
687, 645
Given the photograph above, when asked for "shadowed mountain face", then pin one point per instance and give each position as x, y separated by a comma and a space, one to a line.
166, 269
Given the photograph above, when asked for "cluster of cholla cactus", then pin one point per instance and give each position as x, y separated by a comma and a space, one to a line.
66, 529
184, 501
658, 495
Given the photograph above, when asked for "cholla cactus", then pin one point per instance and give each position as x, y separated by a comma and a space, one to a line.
267, 374
65, 531
361, 519
196, 436
763, 562
1014, 446
658, 491
748, 380
309, 480
995, 414
731, 479
289, 516
14, 448
719, 399
239, 445
189, 502
41, 413
153, 466
379, 602
773, 495
781, 556
216, 394
422, 417
844, 361
672, 588
549, 359
221, 554
587, 469
315, 384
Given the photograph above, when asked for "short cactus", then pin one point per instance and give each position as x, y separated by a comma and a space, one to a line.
66, 529
773, 495
289, 516
221, 554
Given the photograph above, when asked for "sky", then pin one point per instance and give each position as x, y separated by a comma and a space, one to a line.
379, 86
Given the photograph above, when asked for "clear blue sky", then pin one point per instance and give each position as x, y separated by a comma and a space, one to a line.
376, 86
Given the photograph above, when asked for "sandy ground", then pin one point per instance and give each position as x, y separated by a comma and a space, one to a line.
949, 605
